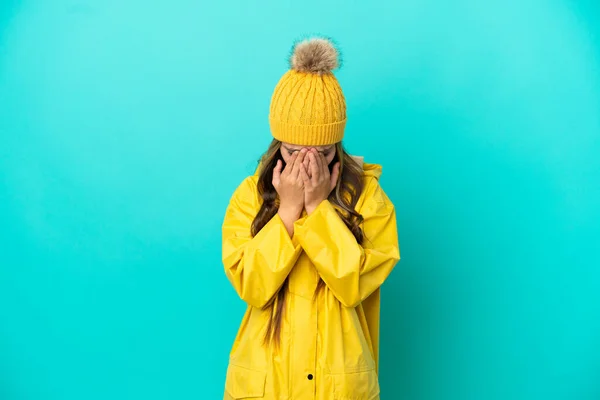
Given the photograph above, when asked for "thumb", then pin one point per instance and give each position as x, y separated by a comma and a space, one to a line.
335, 175
277, 173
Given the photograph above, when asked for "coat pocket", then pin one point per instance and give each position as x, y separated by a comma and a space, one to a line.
244, 383
362, 385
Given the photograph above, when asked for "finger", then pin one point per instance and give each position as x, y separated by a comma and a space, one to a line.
335, 175
306, 165
277, 173
304, 175
324, 166
309, 166
290, 165
306, 162
314, 166
317, 160
298, 163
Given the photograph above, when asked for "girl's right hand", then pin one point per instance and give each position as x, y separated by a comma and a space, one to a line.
289, 184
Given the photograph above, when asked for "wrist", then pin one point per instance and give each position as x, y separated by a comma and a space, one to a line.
290, 212
310, 208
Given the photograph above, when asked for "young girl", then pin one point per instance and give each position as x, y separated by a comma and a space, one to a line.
307, 242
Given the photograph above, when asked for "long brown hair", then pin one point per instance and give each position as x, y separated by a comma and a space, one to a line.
344, 198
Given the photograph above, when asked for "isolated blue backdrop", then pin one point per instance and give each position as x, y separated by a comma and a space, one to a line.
126, 125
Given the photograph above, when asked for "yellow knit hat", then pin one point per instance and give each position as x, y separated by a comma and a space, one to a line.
308, 106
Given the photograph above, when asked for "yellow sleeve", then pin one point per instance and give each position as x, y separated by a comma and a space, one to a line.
350, 270
256, 266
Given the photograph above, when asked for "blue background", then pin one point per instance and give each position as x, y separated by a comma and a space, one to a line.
126, 125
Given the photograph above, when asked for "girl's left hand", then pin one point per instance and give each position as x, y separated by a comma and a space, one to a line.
318, 182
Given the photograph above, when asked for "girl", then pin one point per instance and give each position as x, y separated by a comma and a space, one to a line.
307, 242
